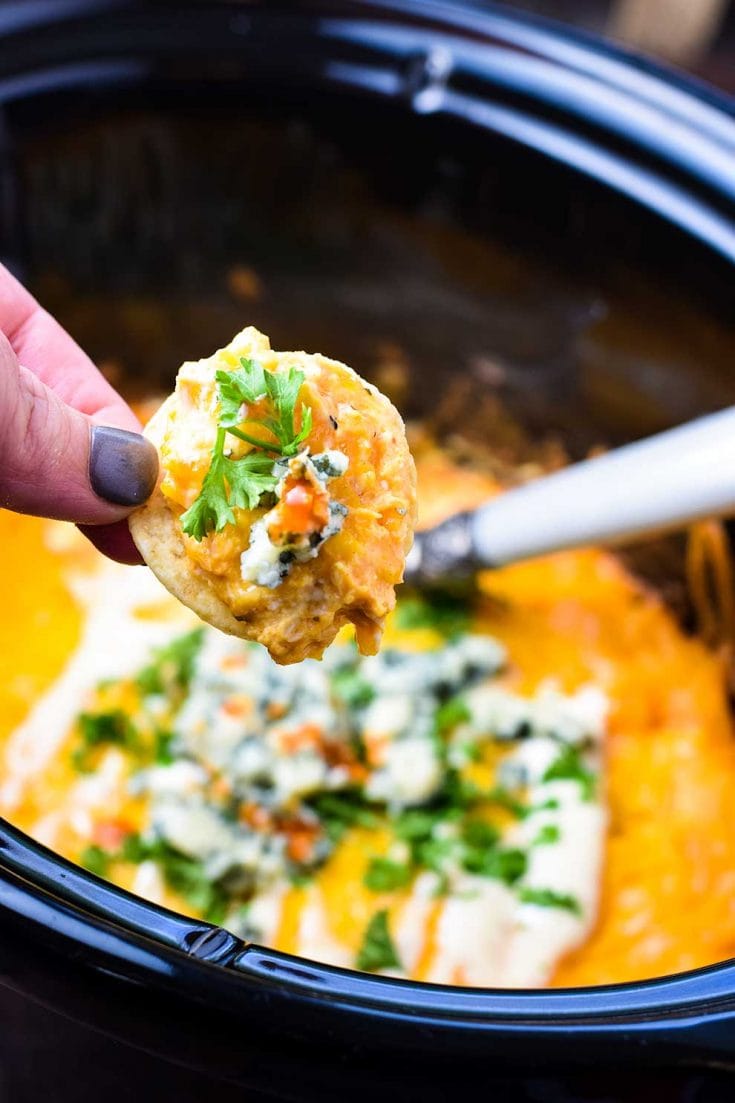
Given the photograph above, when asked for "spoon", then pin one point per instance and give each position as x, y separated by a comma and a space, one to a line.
655, 485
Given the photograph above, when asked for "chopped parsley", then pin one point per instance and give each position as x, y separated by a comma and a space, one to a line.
547, 898
187, 877
96, 860
352, 688
473, 844
98, 729
168, 674
416, 824
299, 879
243, 483
460, 792
338, 812
570, 767
548, 834
384, 875
434, 853
550, 805
377, 950
451, 713
184, 875
479, 834
134, 849
447, 615
172, 666
107, 727
162, 752
507, 865
504, 799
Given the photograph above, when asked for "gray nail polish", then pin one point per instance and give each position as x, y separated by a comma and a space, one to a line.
123, 466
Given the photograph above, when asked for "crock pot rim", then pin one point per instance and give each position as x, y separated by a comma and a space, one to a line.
128, 929
677, 161
69, 892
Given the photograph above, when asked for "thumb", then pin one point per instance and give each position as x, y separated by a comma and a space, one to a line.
55, 462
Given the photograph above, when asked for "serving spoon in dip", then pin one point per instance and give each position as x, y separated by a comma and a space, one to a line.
655, 485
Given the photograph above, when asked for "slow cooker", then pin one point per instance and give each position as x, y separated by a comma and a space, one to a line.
510, 204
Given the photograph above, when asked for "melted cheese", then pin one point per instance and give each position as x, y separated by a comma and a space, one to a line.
665, 873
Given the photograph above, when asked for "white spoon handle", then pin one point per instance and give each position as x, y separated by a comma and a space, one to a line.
654, 485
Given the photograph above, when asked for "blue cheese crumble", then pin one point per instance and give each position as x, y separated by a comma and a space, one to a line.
253, 774
267, 562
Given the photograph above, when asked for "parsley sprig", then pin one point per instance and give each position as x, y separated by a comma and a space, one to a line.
242, 483
378, 950
111, 727
548, 898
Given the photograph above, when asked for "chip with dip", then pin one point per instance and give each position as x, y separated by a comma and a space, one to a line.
287, 498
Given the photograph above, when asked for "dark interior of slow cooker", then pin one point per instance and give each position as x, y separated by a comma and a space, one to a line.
373, 234
522, 301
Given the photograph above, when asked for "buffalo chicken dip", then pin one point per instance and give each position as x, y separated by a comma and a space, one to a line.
288, 498
530, 787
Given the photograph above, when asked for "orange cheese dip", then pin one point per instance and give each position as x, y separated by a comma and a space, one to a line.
666, 895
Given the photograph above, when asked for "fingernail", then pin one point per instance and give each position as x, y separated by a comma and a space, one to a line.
123, 466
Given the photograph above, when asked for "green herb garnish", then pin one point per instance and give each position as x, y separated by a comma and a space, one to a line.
136, 849
384, 875
96, 860
228, 485
548, 834
98, 729
547, 898
451, 713
434, 853
183, 874
568, 766
416, 824
162, 753
550, 805
447, 615
283, 391
377, 950
299, 879
115, 727
172, 666
502, 865
242, 483
479, 834
504, 799
248, 384
352, 687
338, 812
416, 827
460, 792
244, 385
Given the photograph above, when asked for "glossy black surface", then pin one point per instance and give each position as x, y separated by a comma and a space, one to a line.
526, 99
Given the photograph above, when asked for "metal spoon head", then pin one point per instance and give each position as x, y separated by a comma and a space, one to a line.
442, 558
442, 553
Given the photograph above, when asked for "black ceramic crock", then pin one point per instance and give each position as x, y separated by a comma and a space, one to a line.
494, 196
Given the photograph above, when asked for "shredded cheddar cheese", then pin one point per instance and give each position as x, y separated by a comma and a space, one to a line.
666, 884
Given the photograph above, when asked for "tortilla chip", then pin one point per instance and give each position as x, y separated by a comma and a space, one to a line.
157, 535
353, 577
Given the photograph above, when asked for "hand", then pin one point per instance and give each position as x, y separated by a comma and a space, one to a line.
70, 447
